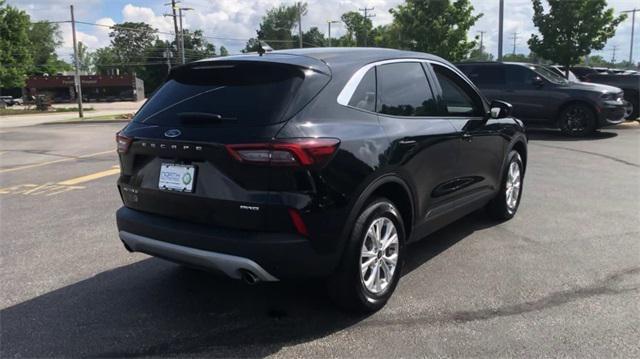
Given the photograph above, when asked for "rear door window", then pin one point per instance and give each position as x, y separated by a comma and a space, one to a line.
403, 90
234, 94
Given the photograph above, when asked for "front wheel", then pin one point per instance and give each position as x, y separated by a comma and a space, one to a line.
505, 205
577, 120
372, 262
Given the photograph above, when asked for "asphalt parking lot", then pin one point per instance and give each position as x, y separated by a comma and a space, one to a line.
561, 279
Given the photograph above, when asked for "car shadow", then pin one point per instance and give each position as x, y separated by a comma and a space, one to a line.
153, 308
547, 134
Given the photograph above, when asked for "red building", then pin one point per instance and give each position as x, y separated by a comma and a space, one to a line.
95, 88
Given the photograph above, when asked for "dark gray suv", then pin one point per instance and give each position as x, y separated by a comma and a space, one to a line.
539, 95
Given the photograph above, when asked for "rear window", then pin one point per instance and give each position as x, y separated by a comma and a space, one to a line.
229, 93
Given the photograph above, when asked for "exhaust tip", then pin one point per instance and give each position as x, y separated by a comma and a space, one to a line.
248, 277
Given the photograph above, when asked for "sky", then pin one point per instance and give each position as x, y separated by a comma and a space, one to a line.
231, 22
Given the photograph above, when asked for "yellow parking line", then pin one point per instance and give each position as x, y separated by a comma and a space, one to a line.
91, 177
55, 161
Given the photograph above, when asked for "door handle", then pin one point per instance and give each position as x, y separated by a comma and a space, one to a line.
466, 136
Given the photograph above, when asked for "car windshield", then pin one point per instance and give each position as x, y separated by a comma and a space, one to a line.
548, 74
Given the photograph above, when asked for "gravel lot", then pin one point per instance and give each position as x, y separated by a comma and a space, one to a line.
561, 279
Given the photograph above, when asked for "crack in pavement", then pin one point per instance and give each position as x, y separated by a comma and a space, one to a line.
605, 287
589, 153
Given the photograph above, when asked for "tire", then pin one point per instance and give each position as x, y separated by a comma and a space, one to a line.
361, 291
577, 120
504, 206
633, 100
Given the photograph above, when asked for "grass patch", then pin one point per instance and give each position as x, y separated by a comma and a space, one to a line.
31, 111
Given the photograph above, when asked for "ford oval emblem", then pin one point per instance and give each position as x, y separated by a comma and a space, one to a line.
172, 133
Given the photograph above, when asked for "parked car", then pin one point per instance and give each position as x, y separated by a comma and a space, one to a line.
10, 100
313, 163
582, 71
540, 96
630, 84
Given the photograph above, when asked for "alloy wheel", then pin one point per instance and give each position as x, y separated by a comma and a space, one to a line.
514, 181
379, 255
576, 119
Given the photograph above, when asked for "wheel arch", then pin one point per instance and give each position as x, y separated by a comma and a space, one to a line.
392, 187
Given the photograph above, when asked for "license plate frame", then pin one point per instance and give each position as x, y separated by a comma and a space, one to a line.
177, 177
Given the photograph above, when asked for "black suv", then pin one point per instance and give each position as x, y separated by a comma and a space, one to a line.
539, 95
313, 163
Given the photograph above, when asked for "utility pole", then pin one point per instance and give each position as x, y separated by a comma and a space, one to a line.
613, 57
633, 25
481, 41
515, 38
76, 78
329, 22
500, 27
180, 10
175, 23
300, 24
168, 55
367, 15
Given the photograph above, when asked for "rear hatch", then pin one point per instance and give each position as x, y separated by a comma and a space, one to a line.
177, 155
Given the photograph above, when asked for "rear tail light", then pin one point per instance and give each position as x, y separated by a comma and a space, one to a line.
289, 152
301, 228
123, 142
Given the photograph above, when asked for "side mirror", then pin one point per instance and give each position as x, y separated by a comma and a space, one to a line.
500, 109
538, 81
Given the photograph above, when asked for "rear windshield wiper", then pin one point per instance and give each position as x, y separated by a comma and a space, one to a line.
203, 116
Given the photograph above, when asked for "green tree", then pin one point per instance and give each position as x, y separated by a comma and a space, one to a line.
224, 51
85, 58
569, 30
480, 55
106, 61
196, 47
516, 58
358, 28
311, 38
16, 57
276, 27
44, 39
129, 43
157, 66
438, 27
597, 61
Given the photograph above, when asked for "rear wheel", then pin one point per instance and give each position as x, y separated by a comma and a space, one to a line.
505, 205
577, 120
371, 265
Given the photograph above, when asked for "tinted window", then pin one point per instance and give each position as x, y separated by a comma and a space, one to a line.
403, 90
484, 75
234, 94
459, 99
519, 75
365, 95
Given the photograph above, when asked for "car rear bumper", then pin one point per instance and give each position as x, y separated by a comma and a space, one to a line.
269, 256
